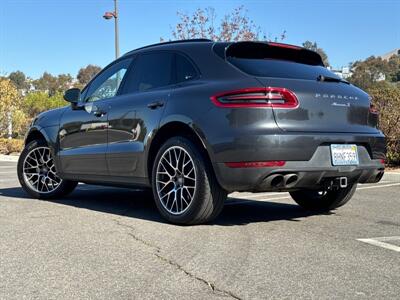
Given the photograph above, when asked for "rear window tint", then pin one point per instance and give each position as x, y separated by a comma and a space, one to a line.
150, 71
258, 50
184, 69
280, 68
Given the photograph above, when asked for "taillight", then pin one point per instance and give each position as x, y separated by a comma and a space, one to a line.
373, 109
257, 97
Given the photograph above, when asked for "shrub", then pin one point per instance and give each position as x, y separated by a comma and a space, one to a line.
386, 97
8, 146
37, 102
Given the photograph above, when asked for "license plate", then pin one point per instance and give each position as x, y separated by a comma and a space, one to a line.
344, 155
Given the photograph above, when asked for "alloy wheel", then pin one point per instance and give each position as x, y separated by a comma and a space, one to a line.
39, 171
176, 180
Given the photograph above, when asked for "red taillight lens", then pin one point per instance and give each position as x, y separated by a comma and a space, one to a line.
256, 164
284, 45
373, 109
257, 97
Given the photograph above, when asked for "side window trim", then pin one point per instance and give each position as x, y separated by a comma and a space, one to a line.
130, 68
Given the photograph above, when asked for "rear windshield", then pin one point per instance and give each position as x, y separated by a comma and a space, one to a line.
274, 60
280, 68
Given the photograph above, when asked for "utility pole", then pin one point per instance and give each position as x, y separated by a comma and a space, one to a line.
109, 15
9, 127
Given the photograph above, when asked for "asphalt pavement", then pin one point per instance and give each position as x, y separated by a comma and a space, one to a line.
111, 243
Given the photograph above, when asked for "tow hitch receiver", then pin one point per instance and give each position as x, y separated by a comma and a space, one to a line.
336, 183
343, 182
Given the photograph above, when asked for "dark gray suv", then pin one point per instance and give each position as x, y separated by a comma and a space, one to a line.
194, 120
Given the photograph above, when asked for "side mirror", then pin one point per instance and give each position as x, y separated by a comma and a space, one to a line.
73, 96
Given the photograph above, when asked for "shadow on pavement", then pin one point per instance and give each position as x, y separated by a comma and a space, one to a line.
139, 204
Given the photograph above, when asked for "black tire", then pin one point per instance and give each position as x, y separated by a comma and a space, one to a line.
323, 201
208, 197
64, 188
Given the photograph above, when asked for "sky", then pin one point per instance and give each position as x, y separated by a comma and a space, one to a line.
61, 36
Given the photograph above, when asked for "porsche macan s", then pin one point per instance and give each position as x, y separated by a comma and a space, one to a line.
195, 120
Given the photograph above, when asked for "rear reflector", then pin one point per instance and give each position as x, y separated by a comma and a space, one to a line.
382, 161
275, 97
256, 164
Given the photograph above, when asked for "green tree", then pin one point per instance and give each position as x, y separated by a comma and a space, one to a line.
394, 68
367, 72
37, 102
53, 84
202, 23
373, 69
18, 78
314, 47
10, 109
87, 73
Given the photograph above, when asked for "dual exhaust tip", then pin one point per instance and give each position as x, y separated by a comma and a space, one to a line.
282, 181
278, 181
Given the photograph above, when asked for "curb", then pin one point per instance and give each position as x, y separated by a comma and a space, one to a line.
9, 157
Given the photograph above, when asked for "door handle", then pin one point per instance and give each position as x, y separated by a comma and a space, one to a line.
156, 104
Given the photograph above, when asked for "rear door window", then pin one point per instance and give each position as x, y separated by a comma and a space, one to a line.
150, 71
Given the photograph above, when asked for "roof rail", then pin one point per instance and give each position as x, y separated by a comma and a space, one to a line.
170, 42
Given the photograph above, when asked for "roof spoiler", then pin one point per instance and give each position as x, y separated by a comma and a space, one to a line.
270, 50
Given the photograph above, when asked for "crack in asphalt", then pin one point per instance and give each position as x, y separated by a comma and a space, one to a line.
383, 222
176, 265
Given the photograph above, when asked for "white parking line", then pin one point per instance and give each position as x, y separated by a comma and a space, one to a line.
245, 194
256, 196
7, 180
245, 200
263, 197
377, 186
382, 242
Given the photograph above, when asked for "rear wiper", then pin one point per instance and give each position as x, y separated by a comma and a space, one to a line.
331, 79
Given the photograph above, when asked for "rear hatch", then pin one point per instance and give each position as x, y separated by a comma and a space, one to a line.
326, 103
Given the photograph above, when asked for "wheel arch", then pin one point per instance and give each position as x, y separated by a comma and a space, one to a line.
172, 129
48, 135
36, 134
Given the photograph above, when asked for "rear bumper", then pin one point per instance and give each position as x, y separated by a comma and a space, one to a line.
310, 173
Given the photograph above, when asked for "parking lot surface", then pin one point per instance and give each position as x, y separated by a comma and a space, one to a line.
110, 243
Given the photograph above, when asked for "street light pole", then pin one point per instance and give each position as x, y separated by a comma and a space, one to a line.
108, 15
116, 29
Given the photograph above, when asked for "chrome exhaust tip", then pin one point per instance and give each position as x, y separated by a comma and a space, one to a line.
275, 181
290, 180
